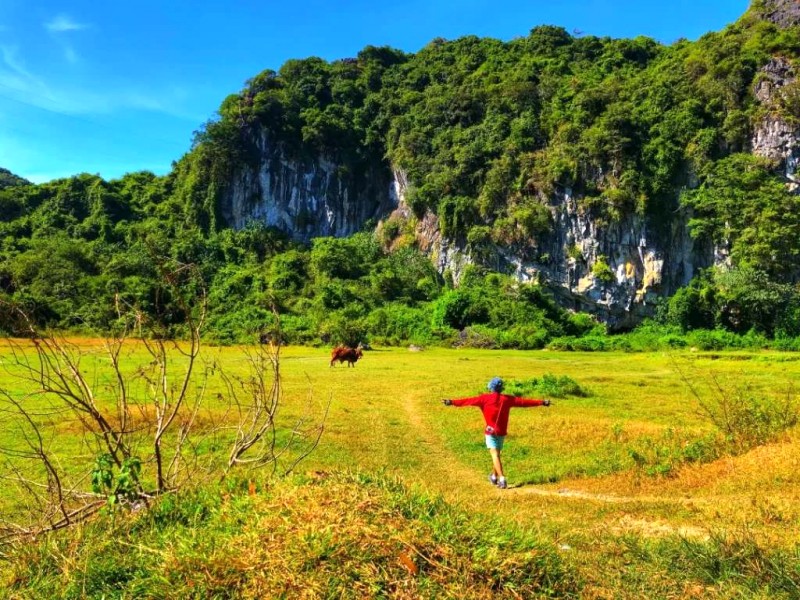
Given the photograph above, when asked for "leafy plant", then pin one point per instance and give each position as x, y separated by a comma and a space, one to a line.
602, 271
548, 385
124, 485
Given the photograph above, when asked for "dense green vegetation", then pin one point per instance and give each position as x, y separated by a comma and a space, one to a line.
80, 247
8, 179
487, 131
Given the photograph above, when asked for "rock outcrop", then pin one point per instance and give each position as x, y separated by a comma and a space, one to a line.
306, 198
641, 261
778, 137
784, 13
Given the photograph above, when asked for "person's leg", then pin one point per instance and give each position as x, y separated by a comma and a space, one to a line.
497, 464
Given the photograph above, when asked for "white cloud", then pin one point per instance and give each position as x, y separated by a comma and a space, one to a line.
13, 74
23, 86
64, 23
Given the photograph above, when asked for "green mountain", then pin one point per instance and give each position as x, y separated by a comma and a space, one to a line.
554, 156
8, 179
613, 172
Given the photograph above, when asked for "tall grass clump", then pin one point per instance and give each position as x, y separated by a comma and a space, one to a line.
338, 535
663, 455
747, 419
735, 562
744, 417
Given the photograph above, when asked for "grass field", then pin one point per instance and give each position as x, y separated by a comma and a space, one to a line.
702, 528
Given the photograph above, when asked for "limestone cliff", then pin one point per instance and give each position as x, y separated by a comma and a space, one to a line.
619, 270
615, 268
783, 13
306, 198
777, 136
641, 260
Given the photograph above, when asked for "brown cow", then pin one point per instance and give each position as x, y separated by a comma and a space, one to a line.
346, 353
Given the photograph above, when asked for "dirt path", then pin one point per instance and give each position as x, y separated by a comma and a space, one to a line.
436, 455
465, 483
606, 498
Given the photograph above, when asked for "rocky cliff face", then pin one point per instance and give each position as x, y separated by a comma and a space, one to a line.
783, 13
616, 271
619, 270
306, 198
778, 137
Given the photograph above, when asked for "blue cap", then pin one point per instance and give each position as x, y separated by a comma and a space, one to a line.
496, 385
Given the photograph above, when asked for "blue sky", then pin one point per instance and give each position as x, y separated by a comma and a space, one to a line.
117, 86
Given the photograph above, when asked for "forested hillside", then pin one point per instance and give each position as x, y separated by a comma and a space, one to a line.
8, 179
537, 159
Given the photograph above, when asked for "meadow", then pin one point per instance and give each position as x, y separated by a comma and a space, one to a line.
624, 482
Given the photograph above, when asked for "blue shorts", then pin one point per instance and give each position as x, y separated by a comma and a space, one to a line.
495, 442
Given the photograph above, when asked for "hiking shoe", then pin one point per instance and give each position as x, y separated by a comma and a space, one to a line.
501, 483
493, 479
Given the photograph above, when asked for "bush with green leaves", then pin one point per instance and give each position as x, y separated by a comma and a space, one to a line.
663, 455
548, 385
747, 419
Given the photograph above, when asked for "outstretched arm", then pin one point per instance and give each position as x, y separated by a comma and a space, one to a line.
529, 402
476, 401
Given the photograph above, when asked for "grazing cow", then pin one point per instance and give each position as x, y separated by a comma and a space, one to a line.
269, 338
345, 353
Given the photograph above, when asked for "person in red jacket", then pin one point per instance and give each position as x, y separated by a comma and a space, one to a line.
495, 407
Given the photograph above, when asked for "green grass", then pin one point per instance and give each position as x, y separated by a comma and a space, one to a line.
599, 474
343, 535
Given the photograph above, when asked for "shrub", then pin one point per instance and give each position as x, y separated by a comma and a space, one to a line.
576, 344
478, 336
602, 271
458, 309
397, 324
691, 307
548, 385
748, 420
583, 323
344, 327
525, 337
663, 455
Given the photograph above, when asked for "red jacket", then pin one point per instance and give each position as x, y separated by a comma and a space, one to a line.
495, 408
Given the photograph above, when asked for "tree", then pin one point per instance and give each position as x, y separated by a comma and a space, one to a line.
742, 203
145, 422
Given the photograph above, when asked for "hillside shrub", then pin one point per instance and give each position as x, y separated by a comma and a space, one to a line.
396, 324
576, 344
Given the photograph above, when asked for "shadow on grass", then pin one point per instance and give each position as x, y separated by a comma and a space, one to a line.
533, 482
